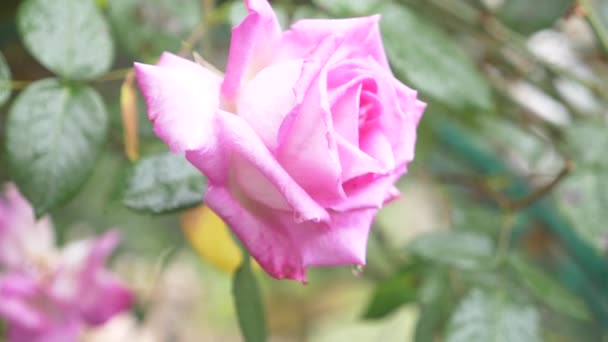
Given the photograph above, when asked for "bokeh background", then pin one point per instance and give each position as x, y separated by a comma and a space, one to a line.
501, 233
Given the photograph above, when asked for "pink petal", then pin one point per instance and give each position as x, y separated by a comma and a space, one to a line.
360, 38
21, 235
268, 241
252, 47
104, 297
182, 98
16, 292
340, 243
267, 99
307, 146
238, 158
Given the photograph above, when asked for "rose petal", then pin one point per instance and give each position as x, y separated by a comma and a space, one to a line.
252, 47
238, 155
360, 38
16, 291
104, 297
182, 98
267, 99
307, 146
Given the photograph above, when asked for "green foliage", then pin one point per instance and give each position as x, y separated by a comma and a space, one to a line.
530, 16
248, 302
54, 135
63, 34
431, 61
146, 28
583, 197
391, 294
493, 316
549, 290
5, 78
347, 8
164, 183
464, 250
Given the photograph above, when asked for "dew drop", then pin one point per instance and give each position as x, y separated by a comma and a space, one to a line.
357, 270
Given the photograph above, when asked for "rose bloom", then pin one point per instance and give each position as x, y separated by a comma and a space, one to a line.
47, 294
301, 141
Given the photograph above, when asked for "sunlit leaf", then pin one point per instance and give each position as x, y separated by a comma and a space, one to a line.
461, 249
493, 316
431, 61
164, 183
249, 306
53, 137
69, 37
211, 239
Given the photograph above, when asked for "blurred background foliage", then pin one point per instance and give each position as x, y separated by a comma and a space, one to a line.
501, 233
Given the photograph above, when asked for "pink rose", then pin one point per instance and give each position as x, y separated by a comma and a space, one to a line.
301, 141
49, 294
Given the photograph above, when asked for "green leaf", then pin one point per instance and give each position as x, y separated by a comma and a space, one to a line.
527, 16
53, 136
248, 302
434, 299
146, 28
5, 79
463, 250
549, 290
431, 61
391, 294
69, 37
347, 8
164, 183
583, 199
492, 316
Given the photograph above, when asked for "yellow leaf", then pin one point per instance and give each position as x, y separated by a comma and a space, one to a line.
102, 3
128, 107
210, 238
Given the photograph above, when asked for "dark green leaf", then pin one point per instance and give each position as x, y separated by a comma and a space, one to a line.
54, 134
391, 294
431, 61
164, 183
549, 291
248, 302
493, 316
460, 249
527, 16
146, 28
69, 37
434, 305
5, 79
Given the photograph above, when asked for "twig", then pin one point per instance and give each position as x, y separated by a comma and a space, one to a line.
542, 192
15, 85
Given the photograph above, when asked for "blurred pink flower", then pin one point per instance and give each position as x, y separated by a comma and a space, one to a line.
301, 141
47, 294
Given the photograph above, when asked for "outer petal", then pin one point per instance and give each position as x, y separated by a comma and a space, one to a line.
182, 98
21, 236
252, 47
361, 38
284, 245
